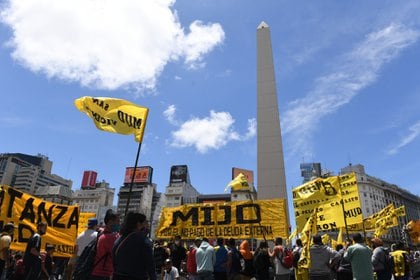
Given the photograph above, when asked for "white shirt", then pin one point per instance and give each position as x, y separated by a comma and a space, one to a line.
171, 275
84, 239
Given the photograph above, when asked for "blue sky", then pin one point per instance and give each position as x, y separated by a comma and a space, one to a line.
347, 82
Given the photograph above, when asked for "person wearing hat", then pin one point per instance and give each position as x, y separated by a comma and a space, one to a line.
5, 240
87, 236
170, 272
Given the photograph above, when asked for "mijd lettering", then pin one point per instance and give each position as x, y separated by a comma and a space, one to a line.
130, 120
353, 212
207, 215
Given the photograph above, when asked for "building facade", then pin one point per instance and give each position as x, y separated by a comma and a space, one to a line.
55, 194
29, 173
92, 200
180, 191
375, 194
310, 171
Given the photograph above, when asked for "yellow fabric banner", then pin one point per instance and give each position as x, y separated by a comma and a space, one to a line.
238, 219
324, 196
413, 228
114, 115
370, 221
308, 231
25, 211
83, 221
238, 184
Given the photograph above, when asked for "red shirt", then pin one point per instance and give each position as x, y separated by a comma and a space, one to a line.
103, 258
191, 262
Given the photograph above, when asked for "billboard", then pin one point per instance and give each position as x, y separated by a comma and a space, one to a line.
179, 174
143, 174
89, 179
249, 174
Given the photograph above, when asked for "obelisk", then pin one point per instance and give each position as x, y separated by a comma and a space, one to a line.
271, 181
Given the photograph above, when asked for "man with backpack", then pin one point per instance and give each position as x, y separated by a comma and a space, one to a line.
382, 261
32, 256
282, 260
401, 262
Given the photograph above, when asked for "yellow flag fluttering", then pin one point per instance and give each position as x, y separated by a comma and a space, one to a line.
308, 231
114, 115
413, 228
238, 184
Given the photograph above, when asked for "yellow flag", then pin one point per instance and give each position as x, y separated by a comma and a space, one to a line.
238, 184
325, 239
400, 211
114, 115
340, 237
413, 228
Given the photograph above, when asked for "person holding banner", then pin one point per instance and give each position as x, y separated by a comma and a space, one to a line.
5, 240
32, 256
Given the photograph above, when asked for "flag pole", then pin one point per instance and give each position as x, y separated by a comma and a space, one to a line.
132, 180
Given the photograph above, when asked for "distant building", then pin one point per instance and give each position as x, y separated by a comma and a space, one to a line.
213, 198
55, 194
375, 194
89, 180
180, 191
29, 173
310, 171
92, 200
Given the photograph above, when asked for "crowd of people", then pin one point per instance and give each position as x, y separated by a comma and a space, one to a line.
127, 253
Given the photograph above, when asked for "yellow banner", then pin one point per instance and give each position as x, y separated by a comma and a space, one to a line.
25, 211
239, 183
324, 195
369, 222
114, 115
83, 221
239, 219
413, 228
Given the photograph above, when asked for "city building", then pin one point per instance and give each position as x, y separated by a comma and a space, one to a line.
310, 171
55, 194
270, 162
94, 199
180, 191
143, 192
375, 194
29, 173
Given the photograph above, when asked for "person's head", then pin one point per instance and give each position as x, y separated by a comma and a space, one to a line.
41, 228
50, 249
357, 238
231, 242
168, 264
9, 228
339, 247
220, 241
92, 223
376, 242
205, 239
299, 242
112, 221
18, 256
197, 241
278, 241
317, 239
263, 245
133, 222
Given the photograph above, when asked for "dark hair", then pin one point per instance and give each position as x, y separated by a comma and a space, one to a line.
279, 241
130, 222
220, 241
263, 245
317, 239
231, 242
299, 242
357, 237
205, 239
109, 216
339, 247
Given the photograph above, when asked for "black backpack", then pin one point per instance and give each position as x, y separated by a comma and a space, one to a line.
86, 262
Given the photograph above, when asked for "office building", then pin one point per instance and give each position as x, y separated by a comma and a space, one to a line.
180, 191
55, 194
310, 171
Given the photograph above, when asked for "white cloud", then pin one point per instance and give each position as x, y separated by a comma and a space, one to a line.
413, 133
213, 132
169, 114
105, 44
353, 72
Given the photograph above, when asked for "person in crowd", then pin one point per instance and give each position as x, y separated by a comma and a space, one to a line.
169, 271
206, 259
247, 255
178, 252
401, 262
360, 257
160, 254
47, 262
6, 238
19, 269
220, 267
341, 266
262, 262
415, 266
321, 255
280, 272
133, 251
191, 259
84, 238
379, 260
300, 272
102, 266
31, 258
234, 261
